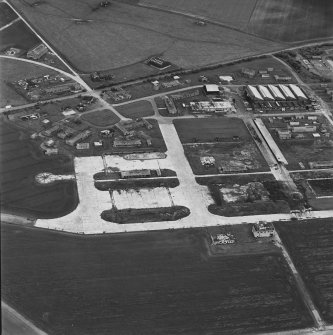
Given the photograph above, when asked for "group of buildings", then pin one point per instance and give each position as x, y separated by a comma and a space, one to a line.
275, 92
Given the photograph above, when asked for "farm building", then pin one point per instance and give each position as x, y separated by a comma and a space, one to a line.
49, 132
263, 229
211, 107
158, 62
287, 92
321, 164
284, 134
37, 52
277, 94
123, 130
304, 129
82, 146
79, 137
265, 93
170, 105
65, 88
282, 78
250, 73
298, 92
211, 89
253, 93
144, 173
126, 143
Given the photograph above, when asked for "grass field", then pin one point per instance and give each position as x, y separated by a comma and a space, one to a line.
234, 13
310, 245
6, 14
156, 283
136, 109
292, 20
20, 162
18, 35
11, 70
138, 33
101, 118
206, 130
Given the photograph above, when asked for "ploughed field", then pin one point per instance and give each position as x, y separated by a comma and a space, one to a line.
156, 283
310, 245
20, 162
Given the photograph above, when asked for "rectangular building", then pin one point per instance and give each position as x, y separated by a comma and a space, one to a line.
79, 137
37, 52
126, 143
284, 134
270, 141
144, 173
304, 129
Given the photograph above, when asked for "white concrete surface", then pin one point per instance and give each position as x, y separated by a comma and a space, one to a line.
86, 217
144, 198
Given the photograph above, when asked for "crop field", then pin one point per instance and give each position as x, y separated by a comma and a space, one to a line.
20, 162
136, 109
138, 32
18, 35
310, 245
292, 20
207, 130
229, 12
11, 70
6, 14
156, 283
101, 118
322, 187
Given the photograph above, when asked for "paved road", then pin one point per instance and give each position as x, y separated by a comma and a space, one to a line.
14, 323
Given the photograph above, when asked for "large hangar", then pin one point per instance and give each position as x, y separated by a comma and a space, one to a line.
277, 94
287, 92
298, 92
265, 93
253, 93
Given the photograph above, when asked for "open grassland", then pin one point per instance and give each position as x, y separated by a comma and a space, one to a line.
6, 14
101, 118
310, 245
207, 130
156, 283
234, 13
18, 35
20, 162
12, 70
122, 35
292, 20
136, 109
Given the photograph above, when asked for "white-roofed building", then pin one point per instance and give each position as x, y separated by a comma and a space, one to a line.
277, 94
211, 89
298, 92
287, 92
265, 93
253, 93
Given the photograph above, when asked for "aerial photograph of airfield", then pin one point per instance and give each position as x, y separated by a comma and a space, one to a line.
166, 167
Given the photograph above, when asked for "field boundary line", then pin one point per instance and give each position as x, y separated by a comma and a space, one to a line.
307, 299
